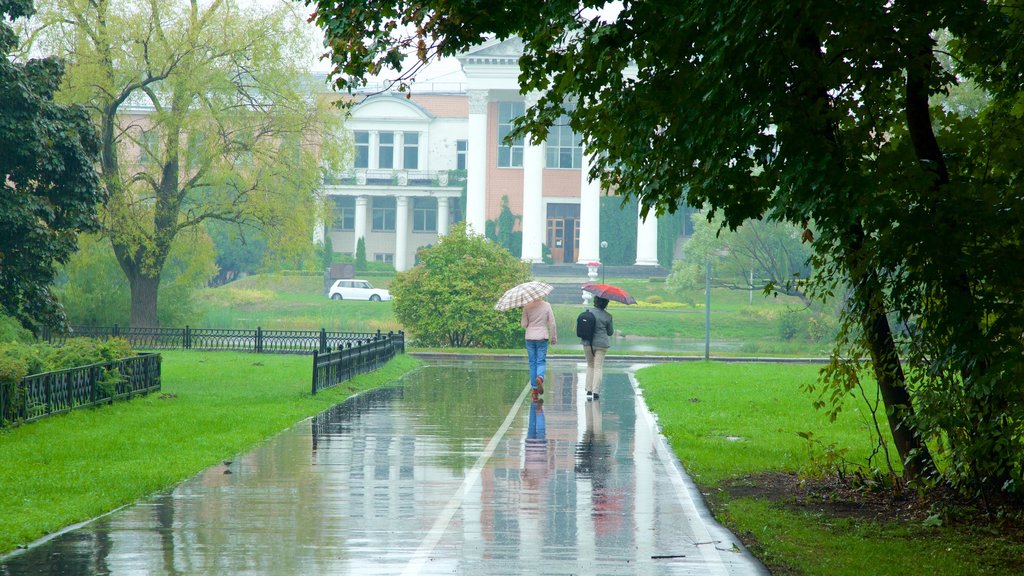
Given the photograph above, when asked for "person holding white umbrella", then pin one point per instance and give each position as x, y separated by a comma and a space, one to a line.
539, 321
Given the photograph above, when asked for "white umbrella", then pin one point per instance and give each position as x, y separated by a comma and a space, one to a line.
523, 294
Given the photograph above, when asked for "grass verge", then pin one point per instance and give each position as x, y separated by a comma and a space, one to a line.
736, 429
213, 405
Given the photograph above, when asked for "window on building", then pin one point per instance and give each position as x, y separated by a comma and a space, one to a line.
509, 155
362, 138
563, 145
411, 151
384, 258
461, 149
386, 150
384, 214
344, 213
424, 214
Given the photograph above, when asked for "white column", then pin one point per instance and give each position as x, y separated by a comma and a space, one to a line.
373, 158
476, 162
647, 240
590, 215
533, 194
442, 215
402, 234
399, 153
533, 201
362, 207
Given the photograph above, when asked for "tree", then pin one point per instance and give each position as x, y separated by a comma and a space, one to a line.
95, 292
769, 252
229, 129
502, 230
448, 298
49, 186
799, 113
361, 264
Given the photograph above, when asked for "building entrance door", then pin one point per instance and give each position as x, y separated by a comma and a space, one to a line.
563, 234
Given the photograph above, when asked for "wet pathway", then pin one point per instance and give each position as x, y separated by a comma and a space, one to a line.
453, 472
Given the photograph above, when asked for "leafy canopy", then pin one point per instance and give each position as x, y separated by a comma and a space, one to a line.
48, 185
803, 112
205, 115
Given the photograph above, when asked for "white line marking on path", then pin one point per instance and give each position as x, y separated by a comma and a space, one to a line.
426, 548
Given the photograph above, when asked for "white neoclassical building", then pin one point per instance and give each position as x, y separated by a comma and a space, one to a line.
415, 153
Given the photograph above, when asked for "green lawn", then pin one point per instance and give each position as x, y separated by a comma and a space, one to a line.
213, 405
729, 422
738, 327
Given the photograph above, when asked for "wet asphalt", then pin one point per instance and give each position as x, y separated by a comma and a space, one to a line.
454, 470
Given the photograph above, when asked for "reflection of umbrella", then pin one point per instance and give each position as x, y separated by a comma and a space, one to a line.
523, 294
609, 292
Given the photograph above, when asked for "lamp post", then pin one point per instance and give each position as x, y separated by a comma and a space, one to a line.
604, 244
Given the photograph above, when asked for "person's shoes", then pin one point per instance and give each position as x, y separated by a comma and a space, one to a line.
596, 396
540, 385
535, 395
590, 395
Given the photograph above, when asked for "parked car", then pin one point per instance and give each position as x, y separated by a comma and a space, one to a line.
357, 290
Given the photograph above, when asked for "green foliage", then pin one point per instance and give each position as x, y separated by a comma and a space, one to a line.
770, 252
237, 133
820, 118
618, 228
50, 189
327, 252
18, 360
448, 298
361, 263
12, 331
502, 230
239, 248
95, 292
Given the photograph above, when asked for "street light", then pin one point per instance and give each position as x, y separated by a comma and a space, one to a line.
604, 244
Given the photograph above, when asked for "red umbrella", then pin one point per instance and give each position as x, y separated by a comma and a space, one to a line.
609, 292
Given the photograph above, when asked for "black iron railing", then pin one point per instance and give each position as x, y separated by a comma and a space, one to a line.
188, 338
333, 367
41, 395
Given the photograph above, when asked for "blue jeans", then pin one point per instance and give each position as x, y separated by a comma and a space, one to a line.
537, 353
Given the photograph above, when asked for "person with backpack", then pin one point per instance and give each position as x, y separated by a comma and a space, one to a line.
594, 327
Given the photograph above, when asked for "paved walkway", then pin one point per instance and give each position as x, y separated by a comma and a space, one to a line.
453, 472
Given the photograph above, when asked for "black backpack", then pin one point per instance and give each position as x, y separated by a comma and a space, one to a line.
585, 324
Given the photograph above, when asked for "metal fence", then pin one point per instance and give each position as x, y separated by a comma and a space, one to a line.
41, 395
188, 338
332, 368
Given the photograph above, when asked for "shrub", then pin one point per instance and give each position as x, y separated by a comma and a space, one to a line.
792, 325
448, 298
11, 330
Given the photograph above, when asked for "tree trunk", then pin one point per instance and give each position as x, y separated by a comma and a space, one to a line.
917, 460
892, 383
144, 296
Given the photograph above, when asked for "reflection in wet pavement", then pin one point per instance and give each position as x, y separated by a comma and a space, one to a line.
454, 472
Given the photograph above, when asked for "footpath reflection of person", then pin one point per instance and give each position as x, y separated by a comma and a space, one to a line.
536, 465
539, 321
536, 468
594, 461
596, 349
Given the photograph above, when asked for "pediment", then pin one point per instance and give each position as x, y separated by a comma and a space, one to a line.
390, 107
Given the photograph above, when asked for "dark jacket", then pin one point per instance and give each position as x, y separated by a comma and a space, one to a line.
602, 328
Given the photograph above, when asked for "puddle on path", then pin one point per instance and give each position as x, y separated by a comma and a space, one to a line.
453, 472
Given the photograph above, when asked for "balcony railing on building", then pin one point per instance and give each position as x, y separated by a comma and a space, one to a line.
389, 177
